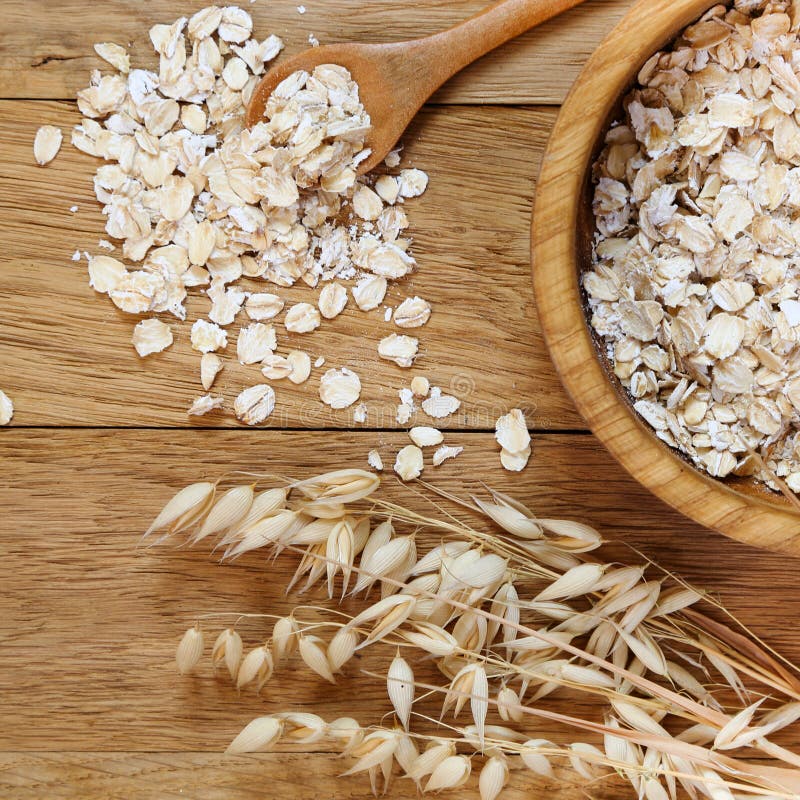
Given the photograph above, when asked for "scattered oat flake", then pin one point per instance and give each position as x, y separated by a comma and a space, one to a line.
114, 54
387, 314
413, 312
404, 413
301, 9
444, 453
210, 366
208, 336
302, 318
106, 245
511, 432
515, 462
276, 368
105, 272
151, 336
375, 461
46, 144
263, 306
205, 404
319, 362
420, 386
6, 408
332, 300
360, 413
76, 256
413, 182
409, 463
339, 388
255, 343
440, 405
423, 436
369, 292
73, 209
393, 159
300, 363
400, 349
255, 404
312, 40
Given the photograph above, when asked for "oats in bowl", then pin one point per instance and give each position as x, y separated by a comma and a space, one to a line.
695, 279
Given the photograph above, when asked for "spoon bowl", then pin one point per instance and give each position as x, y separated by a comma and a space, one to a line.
396, 79
372, 67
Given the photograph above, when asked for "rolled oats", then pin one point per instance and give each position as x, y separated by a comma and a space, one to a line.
332, 300
375, 461
400, 349
6, 408
46, 144
151, 336
413, 312
301, 366
276, 367
208, 337
694, 287
255, 343
196, 199
444, 453
255, 404
440, 405
426, 437
204, 405
302, 318
210, 366
339, 388
369, 292
420, 386
409, 464
263, 306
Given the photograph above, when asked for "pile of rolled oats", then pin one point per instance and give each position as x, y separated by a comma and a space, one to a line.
695, 285
198, 200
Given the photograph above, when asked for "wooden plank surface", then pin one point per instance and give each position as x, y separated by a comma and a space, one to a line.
204, 776
66, 350
90, 707
49, 55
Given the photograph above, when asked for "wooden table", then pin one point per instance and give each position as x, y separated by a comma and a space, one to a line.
90, 706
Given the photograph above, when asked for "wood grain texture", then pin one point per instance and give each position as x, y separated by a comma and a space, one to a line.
204, 776
66, 351
48, 55
739, 508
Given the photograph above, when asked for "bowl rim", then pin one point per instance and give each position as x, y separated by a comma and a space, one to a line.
647, 27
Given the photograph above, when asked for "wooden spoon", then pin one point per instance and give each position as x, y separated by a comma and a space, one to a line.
396, 79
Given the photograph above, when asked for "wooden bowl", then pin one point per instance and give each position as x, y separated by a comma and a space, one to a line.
563, 227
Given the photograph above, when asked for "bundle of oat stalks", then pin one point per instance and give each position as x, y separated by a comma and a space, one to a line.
512, 608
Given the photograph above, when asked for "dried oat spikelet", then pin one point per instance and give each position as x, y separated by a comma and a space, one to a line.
342, 648
259, 735
227, 512
228, 650
400, 686
313, 653
185, 509
256, 668
190, 650
453, 772
493, 777
285, 635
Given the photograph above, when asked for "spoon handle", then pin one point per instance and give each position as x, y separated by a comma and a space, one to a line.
450, 51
